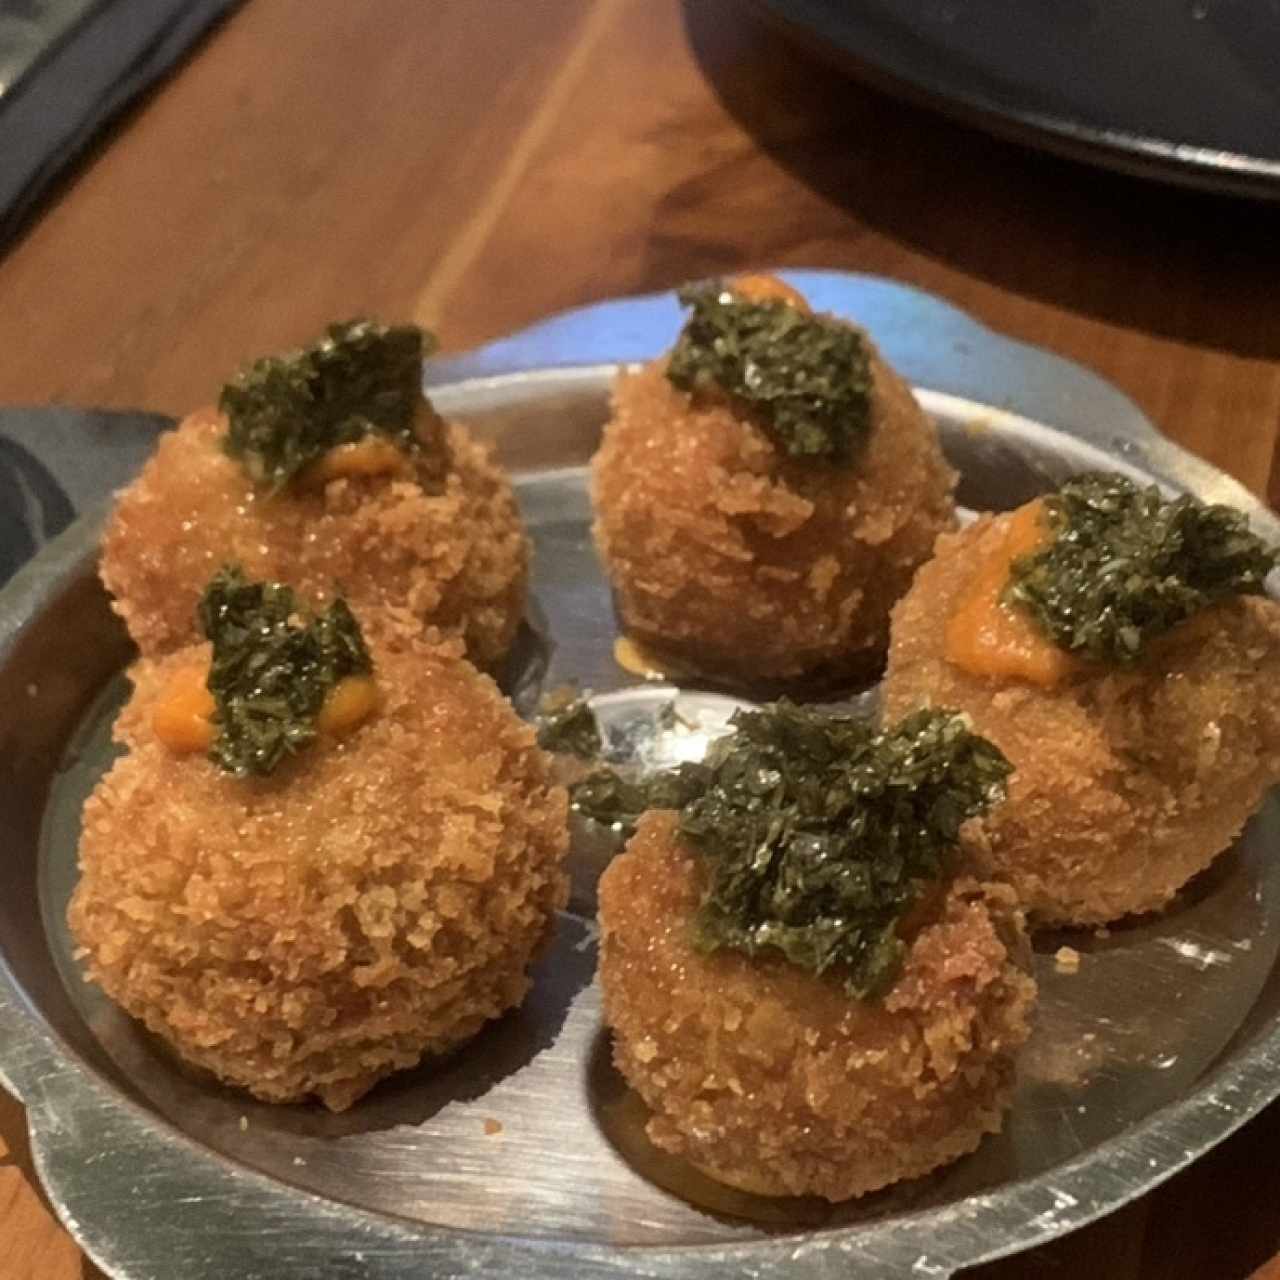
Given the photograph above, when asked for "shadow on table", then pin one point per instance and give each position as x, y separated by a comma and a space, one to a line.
906, 171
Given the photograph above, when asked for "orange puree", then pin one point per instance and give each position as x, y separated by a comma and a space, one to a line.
181, 718
987, 637
372, 456
351, 701
762, 288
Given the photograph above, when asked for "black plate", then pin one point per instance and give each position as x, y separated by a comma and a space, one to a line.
1183, 90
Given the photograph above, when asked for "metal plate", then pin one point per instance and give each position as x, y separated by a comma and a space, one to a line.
1164, 1042
1181, 90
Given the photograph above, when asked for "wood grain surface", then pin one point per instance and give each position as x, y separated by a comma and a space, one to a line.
475, 164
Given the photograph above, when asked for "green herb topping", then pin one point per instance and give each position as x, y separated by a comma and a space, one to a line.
286, 411
567, 724
271, 670
1127, 564
607, 797
808, 378
819, 832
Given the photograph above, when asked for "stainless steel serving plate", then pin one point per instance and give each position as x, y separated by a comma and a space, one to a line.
1165, 1041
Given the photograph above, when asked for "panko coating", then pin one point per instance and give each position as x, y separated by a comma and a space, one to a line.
431, 538
1128, 780
734, 559
373, 901
778, 1082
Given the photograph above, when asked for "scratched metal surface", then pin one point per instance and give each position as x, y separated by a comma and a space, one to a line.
1164, 1042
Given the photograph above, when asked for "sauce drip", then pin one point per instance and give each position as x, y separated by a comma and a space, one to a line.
641, 661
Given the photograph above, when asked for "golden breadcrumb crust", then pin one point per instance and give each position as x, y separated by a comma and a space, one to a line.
776, 1081
455, 559
1127, 782
375, 900
745, 563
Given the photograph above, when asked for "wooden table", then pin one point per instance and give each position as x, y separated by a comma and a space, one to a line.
475, 164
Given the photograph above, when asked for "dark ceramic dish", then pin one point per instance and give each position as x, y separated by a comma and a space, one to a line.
1187, 91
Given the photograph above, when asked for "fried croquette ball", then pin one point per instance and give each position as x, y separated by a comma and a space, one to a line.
731, 558
778, 1082
1127, 781
405, 544
374, 901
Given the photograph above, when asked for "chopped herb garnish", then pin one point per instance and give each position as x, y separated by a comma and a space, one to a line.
272, 669
567, 724
607, 797
1127, 564
819, 832
806, 377
287, 411
668, 719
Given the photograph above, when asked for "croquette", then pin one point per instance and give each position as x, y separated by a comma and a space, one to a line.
1127, 780
410, 547
776, 1081
374, 900
731, 558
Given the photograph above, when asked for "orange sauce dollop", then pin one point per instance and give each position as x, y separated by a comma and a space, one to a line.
183, 718
763, 288
986, 637
372, 456
349, 703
